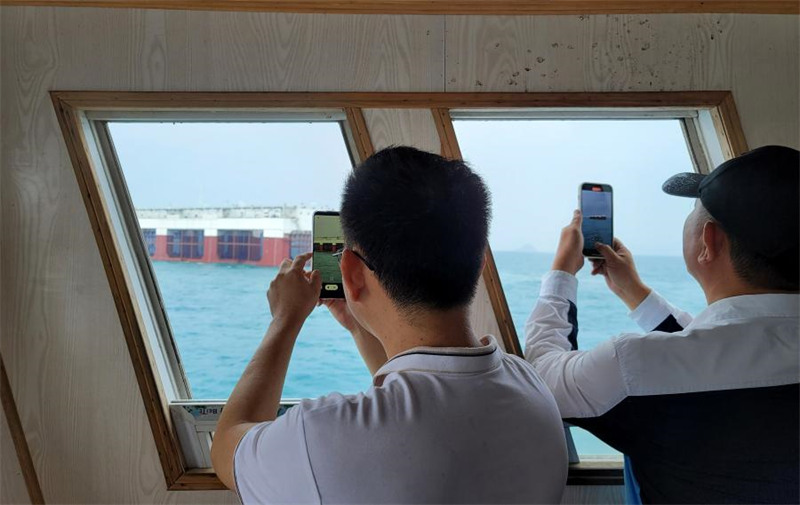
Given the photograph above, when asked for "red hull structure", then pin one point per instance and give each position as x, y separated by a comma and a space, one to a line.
258, 236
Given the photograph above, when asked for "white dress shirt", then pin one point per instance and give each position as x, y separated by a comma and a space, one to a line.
707, 410
737, 342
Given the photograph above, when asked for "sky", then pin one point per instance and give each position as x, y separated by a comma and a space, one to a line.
168, 165
533, 168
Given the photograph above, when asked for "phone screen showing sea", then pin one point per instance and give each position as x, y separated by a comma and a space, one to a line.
328, 239
597, 227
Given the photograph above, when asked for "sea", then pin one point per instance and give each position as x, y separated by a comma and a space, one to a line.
219, 313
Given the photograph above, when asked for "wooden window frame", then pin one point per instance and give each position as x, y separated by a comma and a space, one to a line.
454, 7
75, 108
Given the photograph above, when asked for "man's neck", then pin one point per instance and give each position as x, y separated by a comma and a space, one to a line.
728, 288
429, 329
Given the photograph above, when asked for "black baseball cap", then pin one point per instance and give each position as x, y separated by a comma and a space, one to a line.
755, 197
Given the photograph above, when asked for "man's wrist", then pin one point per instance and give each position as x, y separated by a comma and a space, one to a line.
564, 266
635, 295
287, 324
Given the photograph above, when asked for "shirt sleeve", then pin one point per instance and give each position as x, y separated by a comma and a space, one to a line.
584, 383
271, 463
654, 313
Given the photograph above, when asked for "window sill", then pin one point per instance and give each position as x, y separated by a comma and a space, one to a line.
597, 472
592, 473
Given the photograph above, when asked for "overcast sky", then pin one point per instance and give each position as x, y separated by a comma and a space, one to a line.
533, 168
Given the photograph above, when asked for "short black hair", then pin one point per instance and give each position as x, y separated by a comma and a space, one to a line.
781, 273
422, 222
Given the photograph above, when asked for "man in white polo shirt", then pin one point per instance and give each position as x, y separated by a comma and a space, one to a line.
450, 418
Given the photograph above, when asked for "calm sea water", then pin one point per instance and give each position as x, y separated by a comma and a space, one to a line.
219, 313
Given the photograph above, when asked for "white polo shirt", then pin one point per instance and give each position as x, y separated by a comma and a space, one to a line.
439, 425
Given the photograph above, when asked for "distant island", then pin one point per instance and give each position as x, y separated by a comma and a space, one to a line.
528, 248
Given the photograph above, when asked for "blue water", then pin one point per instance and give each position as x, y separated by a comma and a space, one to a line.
219, 314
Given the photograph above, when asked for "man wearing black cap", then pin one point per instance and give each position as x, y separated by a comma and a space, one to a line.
706, 409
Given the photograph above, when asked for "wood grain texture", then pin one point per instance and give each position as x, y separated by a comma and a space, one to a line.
19, 446
67, 362
250, 101
360, 134
412, 127
482, 7
291, 52
12, 482
729, 129
754, 56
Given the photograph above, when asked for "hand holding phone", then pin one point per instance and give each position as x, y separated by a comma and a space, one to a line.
597, 207
569, 254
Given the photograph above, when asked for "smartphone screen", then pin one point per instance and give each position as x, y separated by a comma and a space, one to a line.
598, 223
328, 239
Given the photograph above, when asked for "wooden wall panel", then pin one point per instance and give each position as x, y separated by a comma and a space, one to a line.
413, 127
754, 56
59, 333
482, 7
482, 315
12, 483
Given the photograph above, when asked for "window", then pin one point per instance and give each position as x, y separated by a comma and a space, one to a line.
534, 168
220, 224
300, 242
240, 245
185, 244
149, 235
174, 182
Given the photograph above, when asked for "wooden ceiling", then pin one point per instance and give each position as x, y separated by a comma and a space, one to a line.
473, 7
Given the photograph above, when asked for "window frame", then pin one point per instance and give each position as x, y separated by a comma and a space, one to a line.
82, 116
240, 240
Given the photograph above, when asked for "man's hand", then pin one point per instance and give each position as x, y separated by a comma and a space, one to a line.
341, 312
294, 293
619, 270
569, 255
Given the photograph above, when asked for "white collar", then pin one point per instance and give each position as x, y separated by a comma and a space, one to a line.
444, 359
750, 307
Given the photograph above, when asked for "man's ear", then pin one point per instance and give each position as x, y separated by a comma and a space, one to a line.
713, 243
353, 276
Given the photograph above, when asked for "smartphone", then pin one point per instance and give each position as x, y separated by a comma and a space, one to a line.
597, 206
328, 239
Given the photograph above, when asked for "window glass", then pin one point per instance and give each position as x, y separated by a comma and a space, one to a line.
149, 235
220, 206
185, 244
240, 245
534, 169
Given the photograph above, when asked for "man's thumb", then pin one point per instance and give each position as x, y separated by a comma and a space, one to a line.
316, 278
